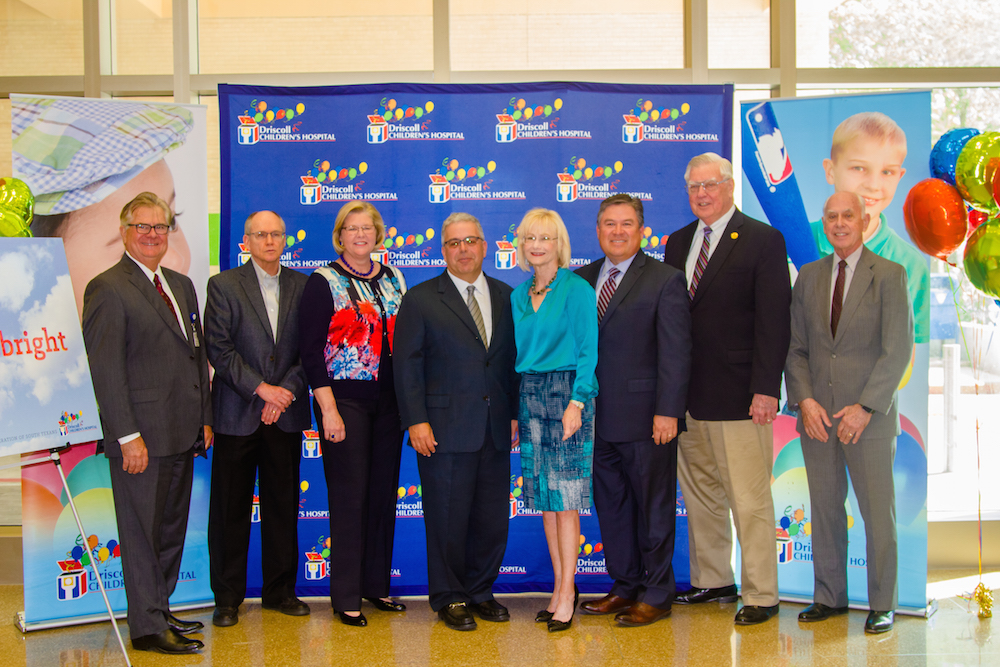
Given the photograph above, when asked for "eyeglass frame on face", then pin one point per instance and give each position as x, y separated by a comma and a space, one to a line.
166, 229
261, 236
468, 240
710, 187
544, 238
354, 229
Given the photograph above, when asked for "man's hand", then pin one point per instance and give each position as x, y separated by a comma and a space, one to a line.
271, 413
572, 421
763, 409
209, 437
664, 429
422, 438
813, 418
135, 458
273, 394
853, 420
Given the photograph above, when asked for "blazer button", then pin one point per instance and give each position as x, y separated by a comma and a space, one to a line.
833, 356
487, 364
271, 357
486, 398
196, 386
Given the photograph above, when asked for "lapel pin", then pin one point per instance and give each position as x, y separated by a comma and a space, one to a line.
734, 235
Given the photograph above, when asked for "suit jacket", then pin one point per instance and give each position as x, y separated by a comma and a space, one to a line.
644, 349
444, 374
867, 359
244, 353
147, 377
739, 317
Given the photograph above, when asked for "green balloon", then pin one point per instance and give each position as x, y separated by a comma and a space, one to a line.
982, 258
643, 243
258, 116
517, 115
481, 171
577, 174
793, 529
418, 112
974, 171
548, 109
450, 175
516, 493
289, 241
674, 113
289, 114
321, 176
16, 208
419, 239
352, 172
644, 116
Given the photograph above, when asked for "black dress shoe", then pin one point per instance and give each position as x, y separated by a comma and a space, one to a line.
820, 612
697, 595
879, 622
183, 627
390, 605
752, 614
358, 621
224, 617
544, 616
457, 617
491, 610
166, 641
559, 626
291, 606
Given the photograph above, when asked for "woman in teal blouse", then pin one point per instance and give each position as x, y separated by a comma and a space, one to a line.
555, 327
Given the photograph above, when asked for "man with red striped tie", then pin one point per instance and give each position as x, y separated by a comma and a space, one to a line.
644, 358
740, 296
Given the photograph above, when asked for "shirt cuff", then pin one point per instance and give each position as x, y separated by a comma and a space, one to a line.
129, 438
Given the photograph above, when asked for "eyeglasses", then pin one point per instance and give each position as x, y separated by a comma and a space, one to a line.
366, 229
468, 240
541, 239
143, 228
711, 187
262, 236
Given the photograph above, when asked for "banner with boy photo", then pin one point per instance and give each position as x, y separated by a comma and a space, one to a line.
790, 167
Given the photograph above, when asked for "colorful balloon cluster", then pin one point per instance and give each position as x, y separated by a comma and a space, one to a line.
793, 523
392, 111
324, 546
582, 172
393, 239
588, 549
516, 486
102, 552
961, 204
518, 108
645, 111
263, 115
650, 241
455, 172
324, 173
412, 490
17, 206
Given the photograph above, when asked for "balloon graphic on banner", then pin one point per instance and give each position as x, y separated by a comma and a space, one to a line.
946, 151
974, 171
982, 258
17, 206
935, 217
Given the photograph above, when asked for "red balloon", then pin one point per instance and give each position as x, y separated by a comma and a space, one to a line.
935, 217
976, 218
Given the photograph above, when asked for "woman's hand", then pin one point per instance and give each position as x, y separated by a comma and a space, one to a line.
333, 425
572, 421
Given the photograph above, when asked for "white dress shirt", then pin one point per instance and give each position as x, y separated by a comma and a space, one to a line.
482, 298
718, 227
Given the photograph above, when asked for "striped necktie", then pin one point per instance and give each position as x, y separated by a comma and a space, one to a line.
477, 314
699, 267
607, 291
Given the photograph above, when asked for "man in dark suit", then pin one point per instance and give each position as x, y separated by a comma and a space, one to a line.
458, 393
644, 359
852, 336
259, 401
143, 336
737, 274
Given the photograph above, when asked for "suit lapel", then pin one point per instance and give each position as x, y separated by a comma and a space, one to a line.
625, 284
454, 301
863, 276
182, 305
730, 237
251, 287
822, 292
146, 288
496, 307
284, 299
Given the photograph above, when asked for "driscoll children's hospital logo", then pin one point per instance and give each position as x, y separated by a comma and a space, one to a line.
326, 181
534, 119
582, 181
648, 121
262, 122
404, 120
459, 181
791, 529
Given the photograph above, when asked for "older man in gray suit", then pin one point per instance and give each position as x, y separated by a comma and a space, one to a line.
143, 336
852, 337
258, 397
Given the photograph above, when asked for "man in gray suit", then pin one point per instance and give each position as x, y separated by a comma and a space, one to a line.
258, 397
852, 337
143, 336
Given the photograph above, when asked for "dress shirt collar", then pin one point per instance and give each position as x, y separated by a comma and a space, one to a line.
263, 275
719, 225
622, 266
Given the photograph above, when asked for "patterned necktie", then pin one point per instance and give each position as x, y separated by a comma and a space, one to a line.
166, 299
838, 297
477, 314
699, 267
607, 291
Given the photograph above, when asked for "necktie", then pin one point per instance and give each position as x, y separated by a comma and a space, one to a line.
477, 314
166, 299
838, 297
699, 267
607, 291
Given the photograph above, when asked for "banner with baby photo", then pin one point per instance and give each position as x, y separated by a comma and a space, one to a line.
83, 160
420, 153
790, 167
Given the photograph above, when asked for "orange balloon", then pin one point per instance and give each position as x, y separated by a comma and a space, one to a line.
935, 217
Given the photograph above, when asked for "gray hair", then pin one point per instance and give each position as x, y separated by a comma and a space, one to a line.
461, 217
725, 166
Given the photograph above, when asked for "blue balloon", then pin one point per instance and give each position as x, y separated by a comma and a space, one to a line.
946, 150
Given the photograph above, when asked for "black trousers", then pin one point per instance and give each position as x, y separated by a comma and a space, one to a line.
362, 475
274, 456
466, 501
635, 493
152, 512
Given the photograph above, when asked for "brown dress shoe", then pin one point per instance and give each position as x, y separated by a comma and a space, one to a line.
608, 604
640, 614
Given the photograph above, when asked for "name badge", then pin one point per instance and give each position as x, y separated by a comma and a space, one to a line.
194, 330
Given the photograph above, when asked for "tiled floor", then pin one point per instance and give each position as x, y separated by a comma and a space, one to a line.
699, 635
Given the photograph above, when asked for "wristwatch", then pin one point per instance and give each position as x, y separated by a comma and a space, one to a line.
578, 404
868, 410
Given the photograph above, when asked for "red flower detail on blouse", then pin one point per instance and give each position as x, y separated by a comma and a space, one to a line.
346, 329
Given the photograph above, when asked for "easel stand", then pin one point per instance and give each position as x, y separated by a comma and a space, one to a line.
54, 457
